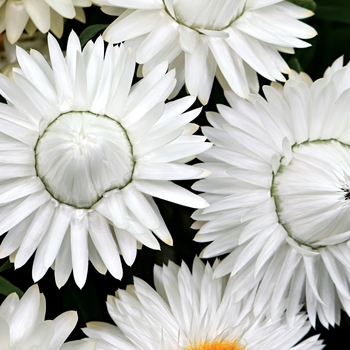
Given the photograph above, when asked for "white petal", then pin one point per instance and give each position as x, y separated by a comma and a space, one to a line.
309, 264
113, 208
15, 95
35, 233
16, 19
336, 272
156, 41
79, 246
156, 94
57, 23
117, 100
64, 7
64, 324
231, 66
138, 4
95, 258
171, 192
23, 209
137, 204
62, 81
41, 336
56, 232
102, 238
20, 188
168, 171
35, 73
162, 232
127, 244
4, 334
125, 28
63, 261
39, 13
14, 237
195, 62
178, 151
23, 317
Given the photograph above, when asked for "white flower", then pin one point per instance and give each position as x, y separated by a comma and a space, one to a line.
201, 38
279, 194
8, 58
82, 154
192, 312
23, 325
45, 15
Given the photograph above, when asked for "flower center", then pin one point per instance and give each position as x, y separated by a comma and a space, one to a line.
205, 14
217, 345
312, 192
82, 155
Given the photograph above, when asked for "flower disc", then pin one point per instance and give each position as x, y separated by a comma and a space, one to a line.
312, 191
82, 155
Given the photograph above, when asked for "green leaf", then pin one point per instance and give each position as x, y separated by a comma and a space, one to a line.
308, 4
89, 32
6, 266
7, 287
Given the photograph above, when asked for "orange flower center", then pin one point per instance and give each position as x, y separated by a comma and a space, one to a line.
217, 345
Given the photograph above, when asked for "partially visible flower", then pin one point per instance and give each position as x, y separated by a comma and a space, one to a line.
8, 57
232, 39
45, 15
192, 312
23, 325
82, 153
107, 8
279, 194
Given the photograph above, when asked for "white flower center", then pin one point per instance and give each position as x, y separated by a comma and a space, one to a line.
206, 14
82, 155
312, 193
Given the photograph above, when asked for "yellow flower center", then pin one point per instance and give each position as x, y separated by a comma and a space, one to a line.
217, 345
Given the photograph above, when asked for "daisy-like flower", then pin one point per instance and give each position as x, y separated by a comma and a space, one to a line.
23, 325
8, 58
45, 15
192, 312
279, 194
232, 39
82, 154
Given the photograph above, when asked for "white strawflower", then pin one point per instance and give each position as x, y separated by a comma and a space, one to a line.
203, 38
82, 153
8, 57
45, 15
192, 312
23, 325
279, 194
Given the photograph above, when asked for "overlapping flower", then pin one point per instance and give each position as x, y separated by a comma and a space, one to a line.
192, 312
45, 15
23, 325
201, 39
8, 57
82, 155
279, 194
